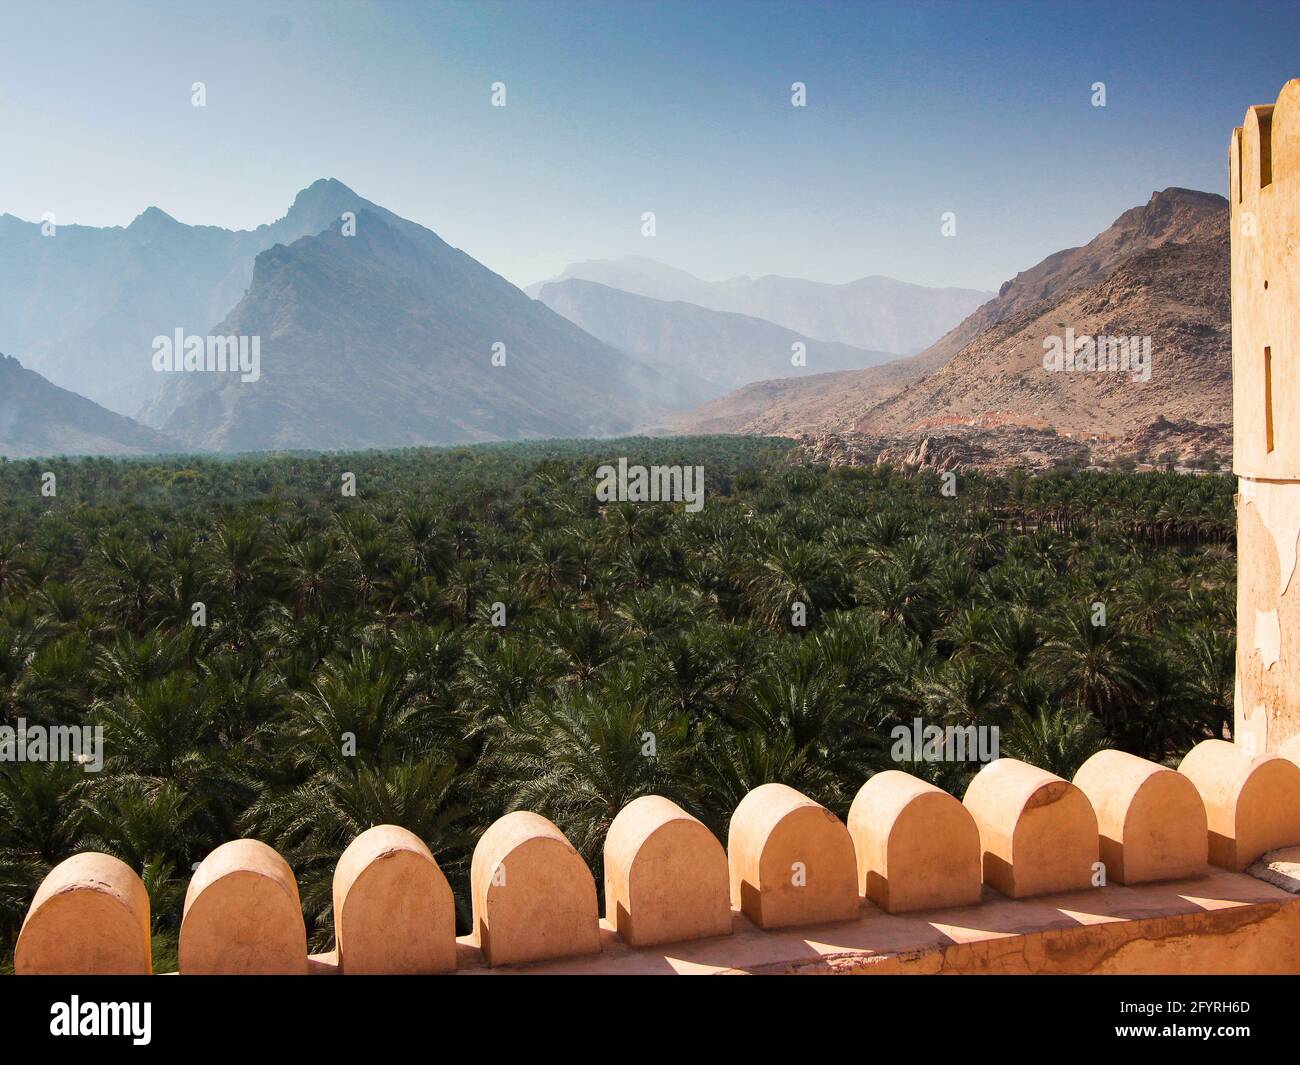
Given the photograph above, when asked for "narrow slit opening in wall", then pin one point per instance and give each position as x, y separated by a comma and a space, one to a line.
1266, 150
1268, 399
1241, 174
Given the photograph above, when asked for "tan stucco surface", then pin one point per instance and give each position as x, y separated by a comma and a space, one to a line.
1250, 803
1264, 167
791, 860
242, 915
90, 915
533, 895
1150, 819
1267, 694
1218, 923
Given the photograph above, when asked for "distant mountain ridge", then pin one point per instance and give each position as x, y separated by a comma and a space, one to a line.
872, 313
386, 339
38, 419
726, 350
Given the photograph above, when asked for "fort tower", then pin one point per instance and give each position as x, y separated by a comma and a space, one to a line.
1265, 197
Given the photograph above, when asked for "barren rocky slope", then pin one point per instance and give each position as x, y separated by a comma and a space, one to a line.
1160, 271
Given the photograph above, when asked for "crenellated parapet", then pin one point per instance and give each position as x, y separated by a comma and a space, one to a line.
795, 889
1038, 832
792, 860
1151, 821
917, 846
665, 875
1250, 803
533, 895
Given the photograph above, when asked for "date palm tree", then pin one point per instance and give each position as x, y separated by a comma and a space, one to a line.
1095, 667
579, 757
350, 671
790, 572
1057, 739
584, 641
13, 569
41, 823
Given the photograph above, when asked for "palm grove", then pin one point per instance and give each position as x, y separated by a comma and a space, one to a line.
349, 672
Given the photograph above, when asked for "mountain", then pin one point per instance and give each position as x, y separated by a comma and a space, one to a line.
873, 313
385, 339
1160, 271
724, 349
84, 303
1174, 216
38, 418
1177, 295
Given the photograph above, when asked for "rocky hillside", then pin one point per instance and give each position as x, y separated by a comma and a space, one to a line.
1177, 295
1160, 271
1162, 445
785, 407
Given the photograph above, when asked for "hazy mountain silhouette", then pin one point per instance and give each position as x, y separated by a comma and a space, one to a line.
873, 313
726, 350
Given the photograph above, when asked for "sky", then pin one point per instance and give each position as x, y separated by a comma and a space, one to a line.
615, 109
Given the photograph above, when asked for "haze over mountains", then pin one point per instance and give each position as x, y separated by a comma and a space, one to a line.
727, 350
82, 305
38, 418
379, 334
382, 338
385, 339
1160, 271
874, 313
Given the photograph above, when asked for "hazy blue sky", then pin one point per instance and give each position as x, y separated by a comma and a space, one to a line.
618, 108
